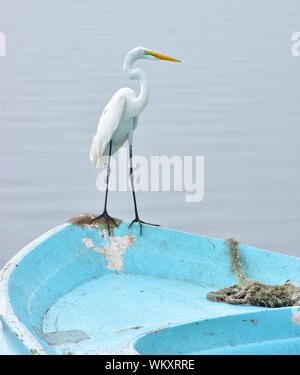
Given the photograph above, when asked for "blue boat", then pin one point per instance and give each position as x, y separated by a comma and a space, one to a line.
75, 290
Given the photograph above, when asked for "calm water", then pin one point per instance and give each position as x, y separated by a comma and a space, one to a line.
234, 99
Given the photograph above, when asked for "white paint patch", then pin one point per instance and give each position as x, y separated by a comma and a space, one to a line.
114, 250
295, 317
105, 233
88, 242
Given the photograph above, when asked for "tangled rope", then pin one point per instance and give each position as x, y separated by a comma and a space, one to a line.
252, 291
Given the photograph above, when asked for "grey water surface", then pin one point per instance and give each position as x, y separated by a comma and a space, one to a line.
234, 100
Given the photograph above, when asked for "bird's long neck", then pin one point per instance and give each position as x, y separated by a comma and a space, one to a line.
136, 73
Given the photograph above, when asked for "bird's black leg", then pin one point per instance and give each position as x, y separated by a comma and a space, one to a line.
137, 219
104, 213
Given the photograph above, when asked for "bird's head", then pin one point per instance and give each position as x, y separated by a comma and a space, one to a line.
145, 53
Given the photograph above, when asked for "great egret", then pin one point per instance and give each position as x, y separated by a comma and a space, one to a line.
118, 121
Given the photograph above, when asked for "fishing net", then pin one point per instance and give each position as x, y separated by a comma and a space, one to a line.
252, 291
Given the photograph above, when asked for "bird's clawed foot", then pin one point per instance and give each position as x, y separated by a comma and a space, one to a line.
141, 222
107, 218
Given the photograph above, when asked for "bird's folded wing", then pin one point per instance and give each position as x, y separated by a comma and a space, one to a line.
108, 124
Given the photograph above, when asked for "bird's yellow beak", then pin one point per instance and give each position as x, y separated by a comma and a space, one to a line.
160, 56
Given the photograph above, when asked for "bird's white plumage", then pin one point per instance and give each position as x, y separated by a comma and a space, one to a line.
108, 124
114, 125
119, 117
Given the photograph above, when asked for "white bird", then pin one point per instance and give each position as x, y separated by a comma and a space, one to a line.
118, 121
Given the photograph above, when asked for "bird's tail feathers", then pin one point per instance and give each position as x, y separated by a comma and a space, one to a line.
97, 158
99, 153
